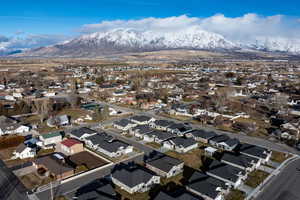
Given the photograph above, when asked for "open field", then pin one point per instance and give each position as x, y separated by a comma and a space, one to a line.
87, 159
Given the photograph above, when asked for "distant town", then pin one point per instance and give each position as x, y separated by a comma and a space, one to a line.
79, 129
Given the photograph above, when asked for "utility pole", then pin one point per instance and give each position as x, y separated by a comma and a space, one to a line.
51, 191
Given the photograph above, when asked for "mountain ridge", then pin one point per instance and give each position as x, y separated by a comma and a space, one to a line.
130, 40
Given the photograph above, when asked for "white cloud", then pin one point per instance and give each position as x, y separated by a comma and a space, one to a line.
246, 28
29, 41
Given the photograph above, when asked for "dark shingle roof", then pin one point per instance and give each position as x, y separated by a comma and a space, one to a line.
253, 150
123, 122
132, 177
165, 163
225, 171
81, 131
185, 142
203, 134
239, 159
142, 129
205, 184
98, 189
220, 138
140, 118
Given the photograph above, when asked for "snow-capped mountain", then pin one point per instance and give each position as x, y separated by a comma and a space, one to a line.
276, 44
131, 40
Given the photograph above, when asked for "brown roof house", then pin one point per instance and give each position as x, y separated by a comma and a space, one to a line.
55, 166
70, 146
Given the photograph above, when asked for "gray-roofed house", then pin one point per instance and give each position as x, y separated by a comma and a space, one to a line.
22, 151
11, 126
99, 189
140, 130
241, 161
134, 179
229, 145
227, 173
165, 166
158, 136
180, 129
161, 124
142, 119
105, 144
124, 124
55, 165
201, 135
207, 187
255, 151
180, 145
82, 133
215, 141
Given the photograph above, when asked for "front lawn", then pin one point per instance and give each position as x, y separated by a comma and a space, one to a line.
191, 158
255, 178
279, 156
235, 195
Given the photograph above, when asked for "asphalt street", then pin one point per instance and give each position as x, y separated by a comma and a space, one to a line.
72, 185
284, 186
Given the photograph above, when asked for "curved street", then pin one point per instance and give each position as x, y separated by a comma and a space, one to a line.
284, 186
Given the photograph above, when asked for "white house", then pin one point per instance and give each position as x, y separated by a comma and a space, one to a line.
134, 180
23, 152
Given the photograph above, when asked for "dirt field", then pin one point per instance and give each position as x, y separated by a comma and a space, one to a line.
87, 159
32, 180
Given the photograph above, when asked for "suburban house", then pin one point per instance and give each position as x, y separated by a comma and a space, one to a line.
157, 136
255, 151
142, 119
22, 151
140, 130
229, 145
161, 124
135, 179
97, 189
165, 166
241, 161
224, 142
54, 165
13, 129
70, 146
179, 129
11, 126
103, 143
51, 139
124, 124
232, 175
201, 135
57, 121
207, 187
180, 145
82, 133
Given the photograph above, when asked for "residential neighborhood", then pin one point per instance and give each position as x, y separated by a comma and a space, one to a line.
213, 132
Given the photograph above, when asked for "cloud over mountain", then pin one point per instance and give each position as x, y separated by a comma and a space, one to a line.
245, 29
272, 33
29, 41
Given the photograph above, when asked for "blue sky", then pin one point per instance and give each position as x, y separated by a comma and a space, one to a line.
67, 16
